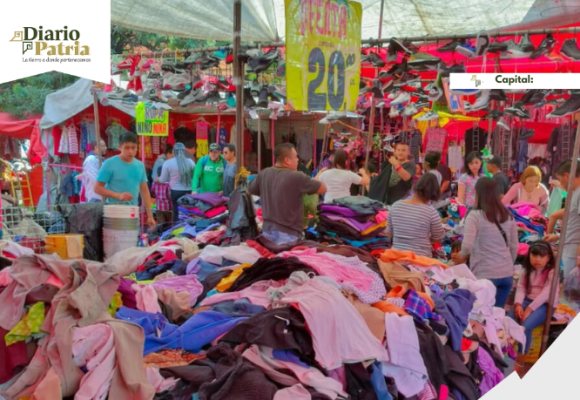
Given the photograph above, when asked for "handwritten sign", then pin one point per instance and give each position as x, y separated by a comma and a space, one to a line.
323, 39
150, 121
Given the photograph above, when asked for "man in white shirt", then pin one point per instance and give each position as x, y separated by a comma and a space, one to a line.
91, 170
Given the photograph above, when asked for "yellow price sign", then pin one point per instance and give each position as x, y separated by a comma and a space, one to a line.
323, 54
151, 121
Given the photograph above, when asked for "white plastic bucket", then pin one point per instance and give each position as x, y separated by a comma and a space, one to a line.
117, 240
121, 224
121, 211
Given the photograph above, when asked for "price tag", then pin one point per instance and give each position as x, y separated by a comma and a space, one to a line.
151, 121
323, 54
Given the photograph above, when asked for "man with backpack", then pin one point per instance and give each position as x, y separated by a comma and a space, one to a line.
209, 172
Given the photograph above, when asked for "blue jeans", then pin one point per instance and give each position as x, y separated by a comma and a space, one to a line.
280, 238
536, 318
503, 288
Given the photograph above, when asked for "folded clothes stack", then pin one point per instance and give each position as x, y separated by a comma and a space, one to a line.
352, 218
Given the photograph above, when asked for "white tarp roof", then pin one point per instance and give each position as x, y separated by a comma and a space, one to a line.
263, 20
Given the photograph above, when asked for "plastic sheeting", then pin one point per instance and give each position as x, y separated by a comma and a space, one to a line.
18, 129
263, 20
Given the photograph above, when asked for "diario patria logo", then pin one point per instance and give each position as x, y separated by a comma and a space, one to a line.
477, 81
47, 42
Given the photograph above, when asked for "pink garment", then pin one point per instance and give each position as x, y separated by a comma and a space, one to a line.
210, 236
523, 206
256, 294
339, 375
381, 216
523, 249
539, 290
146, 298
5, 278
187, 283
326, 266
539, 196
296, 392
339, 333
212, 212
93, 347
157, 381
263, 359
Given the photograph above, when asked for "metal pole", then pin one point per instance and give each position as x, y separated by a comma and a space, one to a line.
381, 20
556, 278
49, 172
97, 127
370, 135
259, 143
239, 82
272, 141
314, 134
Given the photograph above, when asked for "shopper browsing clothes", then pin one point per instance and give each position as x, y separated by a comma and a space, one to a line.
230, 169
414, 224
281, 188
430, 164
177, 172
396, 177
493, 166
571, 248
209, 172
122, 178
490, 239
159, 162
535, 281
91, 171
338, 180
529, 190
472, 172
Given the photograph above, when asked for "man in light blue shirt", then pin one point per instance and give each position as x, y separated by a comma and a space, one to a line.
123, 178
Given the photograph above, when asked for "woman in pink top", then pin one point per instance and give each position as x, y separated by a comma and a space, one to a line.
529, 190
531, 302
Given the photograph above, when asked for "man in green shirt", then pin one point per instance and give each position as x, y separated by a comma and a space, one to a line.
209, 172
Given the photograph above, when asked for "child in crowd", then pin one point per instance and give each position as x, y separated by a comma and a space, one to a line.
531, 302
455, 254
123, 178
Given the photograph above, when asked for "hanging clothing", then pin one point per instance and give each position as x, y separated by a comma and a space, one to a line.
88, 134
557, 151
455, 161
414, 140
304, 145
113, 132
73, 141
436, 140
63, 145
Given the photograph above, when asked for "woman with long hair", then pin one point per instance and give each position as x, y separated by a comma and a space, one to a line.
339, 179
178, 172
414, 224
490, 239
430, 164
472, 171
529, 190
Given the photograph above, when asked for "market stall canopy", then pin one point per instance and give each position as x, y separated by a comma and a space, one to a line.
263, 20
18, 129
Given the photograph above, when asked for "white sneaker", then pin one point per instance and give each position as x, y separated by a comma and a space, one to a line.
389, 138
514, 51
410, 110
394, 112
402, 98
481, 102
428, 116
502, 124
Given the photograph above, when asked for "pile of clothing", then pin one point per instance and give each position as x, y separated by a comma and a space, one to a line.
352, 218
251, 322
203, 216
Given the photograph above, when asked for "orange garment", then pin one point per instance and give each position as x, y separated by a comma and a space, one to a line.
387, 307
400, 291
406, 255
229, 280
374, 228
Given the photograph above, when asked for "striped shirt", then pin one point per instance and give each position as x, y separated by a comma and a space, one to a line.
413, 226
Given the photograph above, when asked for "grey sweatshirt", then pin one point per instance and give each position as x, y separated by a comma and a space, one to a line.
490, 258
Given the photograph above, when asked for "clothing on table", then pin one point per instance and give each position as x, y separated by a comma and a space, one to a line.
538, 288
90, 173
340, 336
176, 195
492, 376
455, 307
229, 179
469, 182
414, 226
436, 140
170, 174
208, 175
280, 190
388, 187
157, 166
518, 193
572, 240
338, 183
119, 176
503, 182
490, 256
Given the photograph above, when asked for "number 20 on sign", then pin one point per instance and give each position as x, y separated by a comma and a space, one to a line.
323, 54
